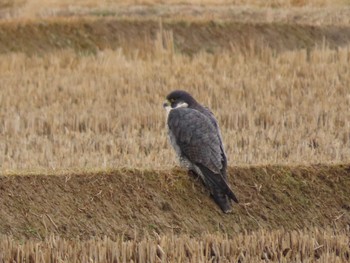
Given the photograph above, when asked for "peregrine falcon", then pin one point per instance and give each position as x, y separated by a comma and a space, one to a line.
195, 135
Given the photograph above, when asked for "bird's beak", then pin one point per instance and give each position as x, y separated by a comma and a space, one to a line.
166, 104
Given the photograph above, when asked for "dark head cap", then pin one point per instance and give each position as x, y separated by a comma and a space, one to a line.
178, 96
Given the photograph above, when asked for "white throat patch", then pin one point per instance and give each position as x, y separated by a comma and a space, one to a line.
168, 108
181, 105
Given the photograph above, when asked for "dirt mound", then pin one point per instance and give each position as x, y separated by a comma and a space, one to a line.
135, 202
93, 34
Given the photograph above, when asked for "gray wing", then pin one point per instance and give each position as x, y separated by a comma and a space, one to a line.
197, 138
212, 118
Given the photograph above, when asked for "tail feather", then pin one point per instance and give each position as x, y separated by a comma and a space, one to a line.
219, 188
222, 200
230, 194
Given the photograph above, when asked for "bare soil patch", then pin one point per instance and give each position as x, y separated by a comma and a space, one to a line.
134, 203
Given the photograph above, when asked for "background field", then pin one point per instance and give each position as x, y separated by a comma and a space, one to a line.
69, 110
83, 147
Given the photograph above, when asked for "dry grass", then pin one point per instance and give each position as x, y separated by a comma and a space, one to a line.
94, 3
303, 11
65, 110
262, 246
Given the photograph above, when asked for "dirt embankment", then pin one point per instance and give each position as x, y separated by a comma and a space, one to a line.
92, 34
135, 202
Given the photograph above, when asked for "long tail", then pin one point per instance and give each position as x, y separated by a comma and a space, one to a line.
222, 200
219, 188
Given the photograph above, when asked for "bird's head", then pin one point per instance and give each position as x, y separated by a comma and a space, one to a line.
178, 99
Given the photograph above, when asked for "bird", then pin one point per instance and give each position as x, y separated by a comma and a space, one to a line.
195, 135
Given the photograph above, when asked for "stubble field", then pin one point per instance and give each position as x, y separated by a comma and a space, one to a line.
66, 110
84, 153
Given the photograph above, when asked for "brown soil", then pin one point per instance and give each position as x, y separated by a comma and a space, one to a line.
137, 202
93, 34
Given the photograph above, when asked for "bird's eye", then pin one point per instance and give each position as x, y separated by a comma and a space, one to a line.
172, 100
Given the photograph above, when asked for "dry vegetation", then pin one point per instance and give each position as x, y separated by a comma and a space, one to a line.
68, 110
94, 3
261, 246
313, 12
